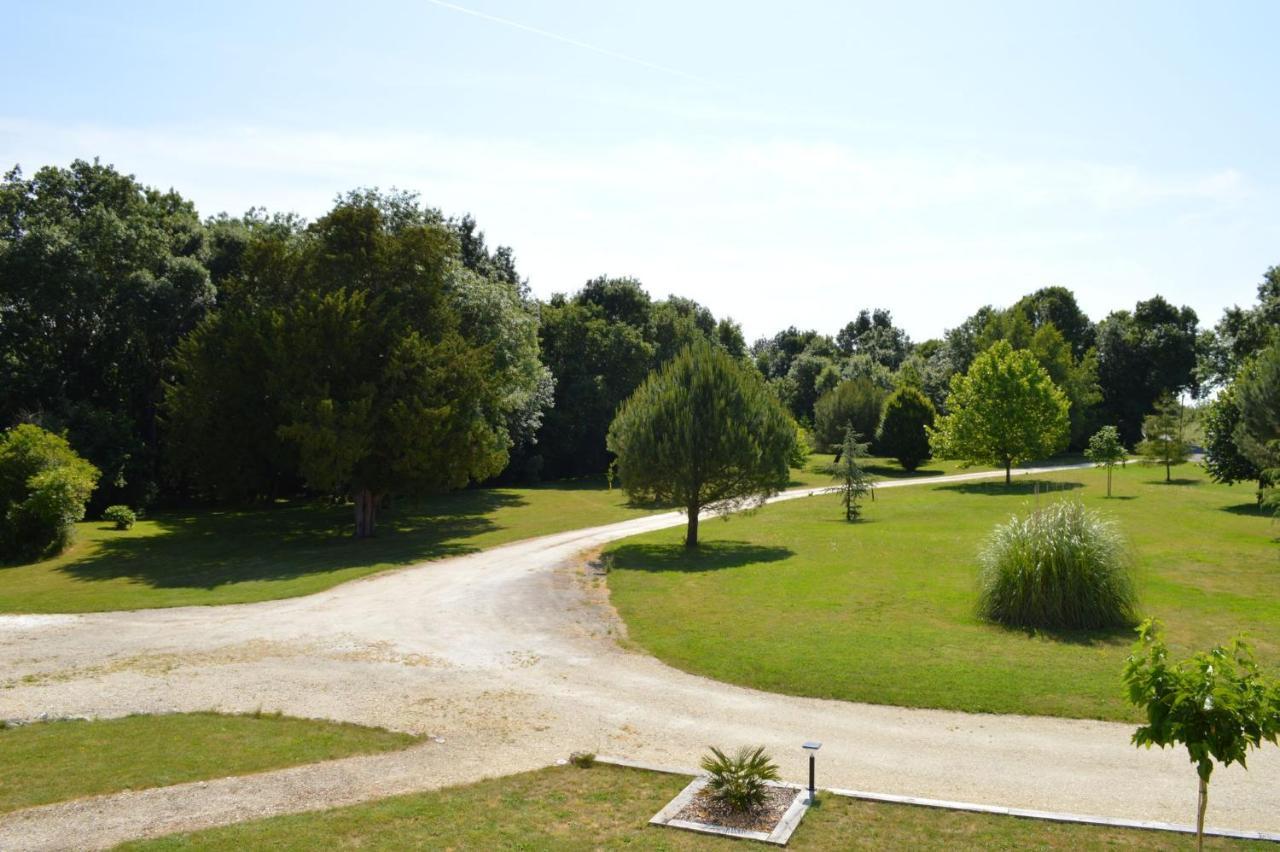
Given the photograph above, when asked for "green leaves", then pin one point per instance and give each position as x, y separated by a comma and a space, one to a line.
739, 780
1004, 411
902, 432
1216, 703
703, 432
44, 486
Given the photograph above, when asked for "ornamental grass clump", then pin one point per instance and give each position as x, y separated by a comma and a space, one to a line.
739, 782
1059, 568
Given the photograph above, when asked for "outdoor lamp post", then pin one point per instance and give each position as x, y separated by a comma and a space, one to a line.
812, 748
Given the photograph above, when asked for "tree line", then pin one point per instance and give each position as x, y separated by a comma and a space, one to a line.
386, 348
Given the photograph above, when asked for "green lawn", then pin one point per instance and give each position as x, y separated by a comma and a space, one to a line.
793, 599
607, 807
227, 556
55, 761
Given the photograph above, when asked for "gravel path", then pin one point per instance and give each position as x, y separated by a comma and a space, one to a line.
509, 658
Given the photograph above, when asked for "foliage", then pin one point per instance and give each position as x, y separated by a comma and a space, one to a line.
1241, 333
583, 759
370, 381
874, 335
740, 781
1106, 449
1224, 459
99, 278
1141, 355
122, 516
44, 486
1062, 567
1164, 435
1005, 410
1258, 433
1216, 704
854, 404
848, 471
903, 429
1057, 307
703, 432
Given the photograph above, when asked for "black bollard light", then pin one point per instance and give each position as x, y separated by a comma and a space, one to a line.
812, 748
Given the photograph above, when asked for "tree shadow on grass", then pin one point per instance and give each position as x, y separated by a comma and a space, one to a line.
208, 549
1019, 487
893, 472
1249, 509
708, 556
1175, 481
1104, 637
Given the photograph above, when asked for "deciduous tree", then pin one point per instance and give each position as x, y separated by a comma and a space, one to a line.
1005, 410
1106, 449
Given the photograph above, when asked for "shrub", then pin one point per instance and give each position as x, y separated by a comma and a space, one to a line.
856, 403
907, 414
122, 516
1062, 567
43, 489
738, 782
583, 759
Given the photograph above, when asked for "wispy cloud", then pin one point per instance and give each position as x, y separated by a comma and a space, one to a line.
772, 232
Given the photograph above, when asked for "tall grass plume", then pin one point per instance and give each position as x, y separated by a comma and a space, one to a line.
1062, 567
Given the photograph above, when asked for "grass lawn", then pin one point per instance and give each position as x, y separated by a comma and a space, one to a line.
56, 761
281, 551
793, 599
811, 475
607, 807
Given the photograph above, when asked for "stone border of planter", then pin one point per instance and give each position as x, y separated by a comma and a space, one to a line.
779, 836
1027, 813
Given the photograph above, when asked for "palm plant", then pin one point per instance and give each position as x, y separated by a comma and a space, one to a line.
739, 782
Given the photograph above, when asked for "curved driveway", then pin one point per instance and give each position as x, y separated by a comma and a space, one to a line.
508, 659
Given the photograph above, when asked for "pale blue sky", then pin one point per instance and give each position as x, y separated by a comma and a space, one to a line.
783, 163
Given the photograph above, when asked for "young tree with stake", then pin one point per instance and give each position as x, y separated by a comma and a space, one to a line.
1216, 703
1163, 433
1106, 449
854, 481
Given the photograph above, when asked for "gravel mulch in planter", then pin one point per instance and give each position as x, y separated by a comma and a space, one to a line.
704, 808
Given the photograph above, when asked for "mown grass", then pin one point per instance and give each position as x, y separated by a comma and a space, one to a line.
289, 549
812, 475
55, 761
607, 807
793, 599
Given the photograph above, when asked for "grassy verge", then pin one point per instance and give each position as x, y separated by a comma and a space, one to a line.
56, 761
226, 556
608, 807
795, 600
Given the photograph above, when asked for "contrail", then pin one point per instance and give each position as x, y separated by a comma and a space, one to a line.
566, 40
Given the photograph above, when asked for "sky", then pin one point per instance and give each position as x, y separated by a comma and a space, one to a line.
781, 163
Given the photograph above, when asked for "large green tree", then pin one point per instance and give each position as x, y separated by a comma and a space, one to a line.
703, 432
854, 404
1224, 459
1141, 355
1005, 410
100, 277
1258, 433
378, 366
903, 429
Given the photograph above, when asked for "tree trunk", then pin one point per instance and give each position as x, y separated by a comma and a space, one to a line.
1008, 472
1108, 480
691, 532
1203, 806
1167, 476
366, 509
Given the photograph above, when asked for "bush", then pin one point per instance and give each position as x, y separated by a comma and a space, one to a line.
122, 516
43, 488
855, 403
1062, 567
738, 782
902, 436
583, 759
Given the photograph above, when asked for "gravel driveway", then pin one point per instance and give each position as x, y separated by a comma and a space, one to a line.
509, 659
